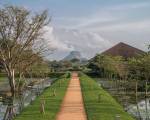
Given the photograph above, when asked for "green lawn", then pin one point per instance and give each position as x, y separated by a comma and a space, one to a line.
32, 112
105, 109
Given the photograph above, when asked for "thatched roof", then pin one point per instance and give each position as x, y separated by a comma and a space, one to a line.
124, 50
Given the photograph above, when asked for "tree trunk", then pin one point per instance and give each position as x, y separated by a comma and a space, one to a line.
10, 110
136, 97
125, 91
18, 87
13, 83
146, 105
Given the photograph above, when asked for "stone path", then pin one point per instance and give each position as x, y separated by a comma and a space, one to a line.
72, 107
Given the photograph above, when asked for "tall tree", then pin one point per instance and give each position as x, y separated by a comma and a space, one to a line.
20, 31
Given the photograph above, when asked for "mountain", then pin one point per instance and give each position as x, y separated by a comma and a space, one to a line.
124, 50
74, 55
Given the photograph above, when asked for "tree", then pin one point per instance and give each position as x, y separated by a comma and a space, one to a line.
145, 70
20, 33
121, 66
135, 73
97, 64
55, 66
40, 67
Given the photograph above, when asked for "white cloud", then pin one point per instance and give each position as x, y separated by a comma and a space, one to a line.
130, 6
89, 43
127, 26
104, 14
66, 40
97, 32
53, 41
74, 22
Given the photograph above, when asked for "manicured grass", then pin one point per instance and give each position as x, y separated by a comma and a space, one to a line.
105, 109
52, 103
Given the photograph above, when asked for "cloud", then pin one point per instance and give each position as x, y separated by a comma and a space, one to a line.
125, 26
93, 26
66, 40
95, 32
124, 11
53, 41
74, 22
129, 6
92, 41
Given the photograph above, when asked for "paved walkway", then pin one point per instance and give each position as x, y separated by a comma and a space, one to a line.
72, 107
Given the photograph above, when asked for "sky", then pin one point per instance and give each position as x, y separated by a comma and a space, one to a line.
92, 26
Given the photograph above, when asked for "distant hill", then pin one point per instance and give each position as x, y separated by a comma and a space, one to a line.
74, 55
122, 49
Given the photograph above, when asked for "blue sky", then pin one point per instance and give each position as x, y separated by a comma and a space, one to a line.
98, 23
76, 10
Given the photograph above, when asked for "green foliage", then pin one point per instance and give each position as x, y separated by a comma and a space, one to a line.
105, 109
136, 68
60, 66
107, 65
55, 74
40, 67
52, 103
140, 67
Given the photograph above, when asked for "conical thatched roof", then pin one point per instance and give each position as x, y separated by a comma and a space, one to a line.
122, 49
